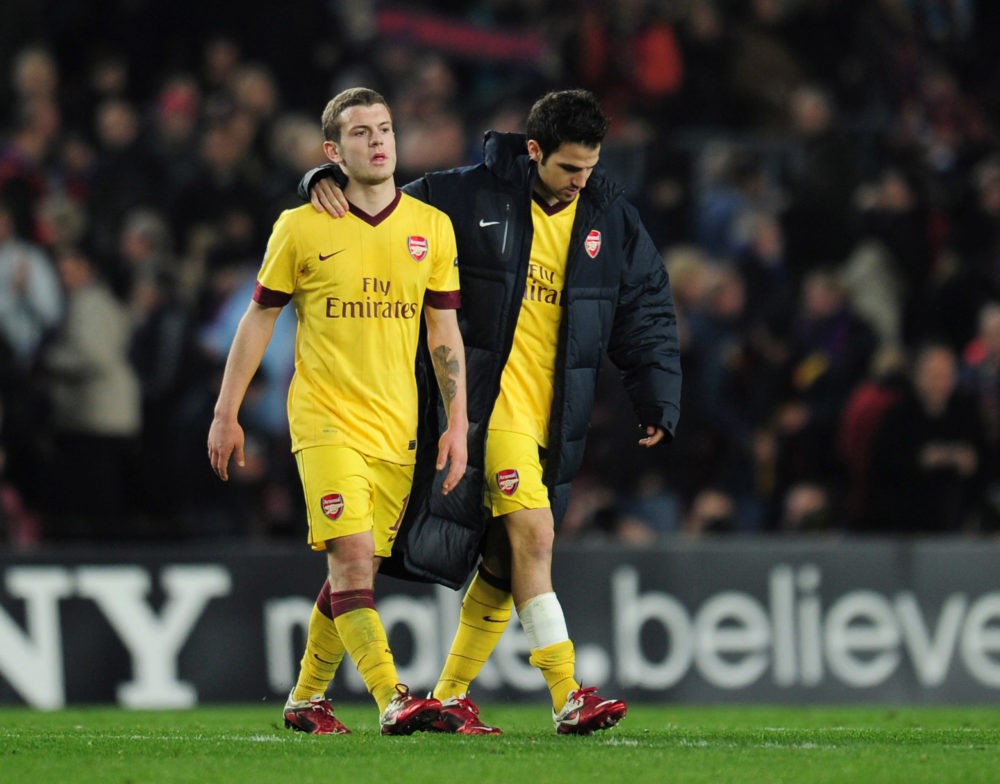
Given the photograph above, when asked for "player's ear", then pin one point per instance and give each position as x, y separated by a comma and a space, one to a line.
332, 151
534, 151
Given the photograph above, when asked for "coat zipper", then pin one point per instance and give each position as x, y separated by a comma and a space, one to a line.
506, 224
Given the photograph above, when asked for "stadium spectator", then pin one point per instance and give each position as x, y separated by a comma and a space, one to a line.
217, 219
162, 353
173, 134
859, 421
427, 108
892, 262
926, 454
764, 70
30, 298
829, 352
96, 410
712, 511
808, 507
31, 306
730, 384
34, 76
62, 221
820, 182
25, 159
759, 253
706, 96
734, 184
125, 175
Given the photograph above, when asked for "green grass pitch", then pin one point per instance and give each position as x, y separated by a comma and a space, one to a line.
247, 744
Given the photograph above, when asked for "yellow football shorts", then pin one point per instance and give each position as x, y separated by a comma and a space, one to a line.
347, 492
513, 473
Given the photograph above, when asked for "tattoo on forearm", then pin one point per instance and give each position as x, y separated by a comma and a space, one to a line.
446, 369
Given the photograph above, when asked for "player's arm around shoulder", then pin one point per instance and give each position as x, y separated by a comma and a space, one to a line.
447, 350
323, 188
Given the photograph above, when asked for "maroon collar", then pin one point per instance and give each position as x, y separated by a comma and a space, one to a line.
550, 209
375, 220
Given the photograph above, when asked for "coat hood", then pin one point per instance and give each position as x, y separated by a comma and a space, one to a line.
506, 156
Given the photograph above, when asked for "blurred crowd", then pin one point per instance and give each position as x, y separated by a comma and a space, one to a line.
823, 177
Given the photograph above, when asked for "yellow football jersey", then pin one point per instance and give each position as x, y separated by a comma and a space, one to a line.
358, 285
525, 400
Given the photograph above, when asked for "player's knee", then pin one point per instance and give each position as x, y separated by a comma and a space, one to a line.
534, 542
351, 560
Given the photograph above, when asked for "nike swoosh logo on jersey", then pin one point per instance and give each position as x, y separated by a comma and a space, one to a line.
330, 255
484, 223
490, 619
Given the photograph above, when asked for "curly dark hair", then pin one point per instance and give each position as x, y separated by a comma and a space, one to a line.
566, 117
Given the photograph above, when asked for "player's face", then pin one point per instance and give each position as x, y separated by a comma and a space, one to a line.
367, 147
564, 172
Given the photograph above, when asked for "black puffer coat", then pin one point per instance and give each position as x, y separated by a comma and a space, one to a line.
617, 299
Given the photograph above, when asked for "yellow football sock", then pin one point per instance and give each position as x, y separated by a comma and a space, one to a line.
324, 652
486, 611
557, 663
366, 641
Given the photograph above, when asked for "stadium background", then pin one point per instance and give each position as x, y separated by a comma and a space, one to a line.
823, 177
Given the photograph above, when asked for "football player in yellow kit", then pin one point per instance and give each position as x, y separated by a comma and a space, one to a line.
359, 287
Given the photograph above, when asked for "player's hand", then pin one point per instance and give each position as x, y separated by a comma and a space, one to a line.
453, 452
326, 196
225, 440
654, 435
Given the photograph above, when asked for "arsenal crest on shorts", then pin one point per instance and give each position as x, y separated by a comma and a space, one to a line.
508, 480
332, 505
417, 247
593, 243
